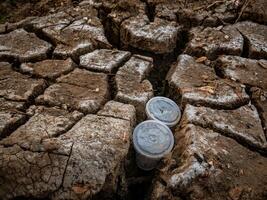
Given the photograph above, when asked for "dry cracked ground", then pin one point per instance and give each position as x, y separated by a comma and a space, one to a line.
74, 83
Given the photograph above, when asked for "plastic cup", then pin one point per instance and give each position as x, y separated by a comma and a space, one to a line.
164, 110
152, 140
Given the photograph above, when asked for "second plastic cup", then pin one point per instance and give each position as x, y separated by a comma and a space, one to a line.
164, 110
152, 141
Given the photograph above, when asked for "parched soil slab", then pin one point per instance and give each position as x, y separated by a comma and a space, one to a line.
18, 87
100, 145
197, 84
195, 13
247, 71
27, 162
138, 66
32, 174
259, 98
159, 36
212, 42
49, 69
74, 32
104, 60
79, 90
79, 38
10, 116
242, 124
208, 165
255, 11
23, 46
17, 10
165, 9
120, 11
132, 87
256, 37
136, 93
44, 123
8, 27
42, 160
119, 110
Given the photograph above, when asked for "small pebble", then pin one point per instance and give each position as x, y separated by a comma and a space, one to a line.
219, 28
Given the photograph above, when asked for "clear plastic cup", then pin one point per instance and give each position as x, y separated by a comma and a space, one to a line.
152, 140
164, 110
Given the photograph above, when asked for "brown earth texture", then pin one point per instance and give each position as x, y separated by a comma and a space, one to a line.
75, 77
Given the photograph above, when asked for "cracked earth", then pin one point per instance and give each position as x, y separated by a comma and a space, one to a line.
75, 82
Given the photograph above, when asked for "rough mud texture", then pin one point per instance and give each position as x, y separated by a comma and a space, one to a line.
45, 159
247, 71
132, 87
44, 123
104, 60
99, 144
255, 10
8, 27
26, 160
195, 83
211, 42
119, 110
117, 13
259, 98
195, 13
158, 36
75, 31
26, 173
255, 35
15, 10
81, 90
17, 87
208, 165
243, 123
22, 46
10, 116
74, 81
48, 69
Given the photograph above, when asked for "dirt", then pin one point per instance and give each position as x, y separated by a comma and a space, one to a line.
208, 165
16, 10
75, 77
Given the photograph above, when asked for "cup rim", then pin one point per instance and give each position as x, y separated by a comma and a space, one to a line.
157, 156
151, 116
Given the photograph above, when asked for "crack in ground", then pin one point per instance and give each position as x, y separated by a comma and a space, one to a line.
259, 110
40, 34
150, 10
251, 146
10, 129
176, 94
65, 170
111, 76
156, 77
115, 117
161, 66
33, 151
245, 48
29, 102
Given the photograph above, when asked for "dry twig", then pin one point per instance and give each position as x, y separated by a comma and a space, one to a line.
242, 10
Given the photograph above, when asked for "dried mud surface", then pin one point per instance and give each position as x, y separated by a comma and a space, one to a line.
75, 77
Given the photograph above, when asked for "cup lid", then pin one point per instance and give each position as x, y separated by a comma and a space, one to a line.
153, 139
163, 109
